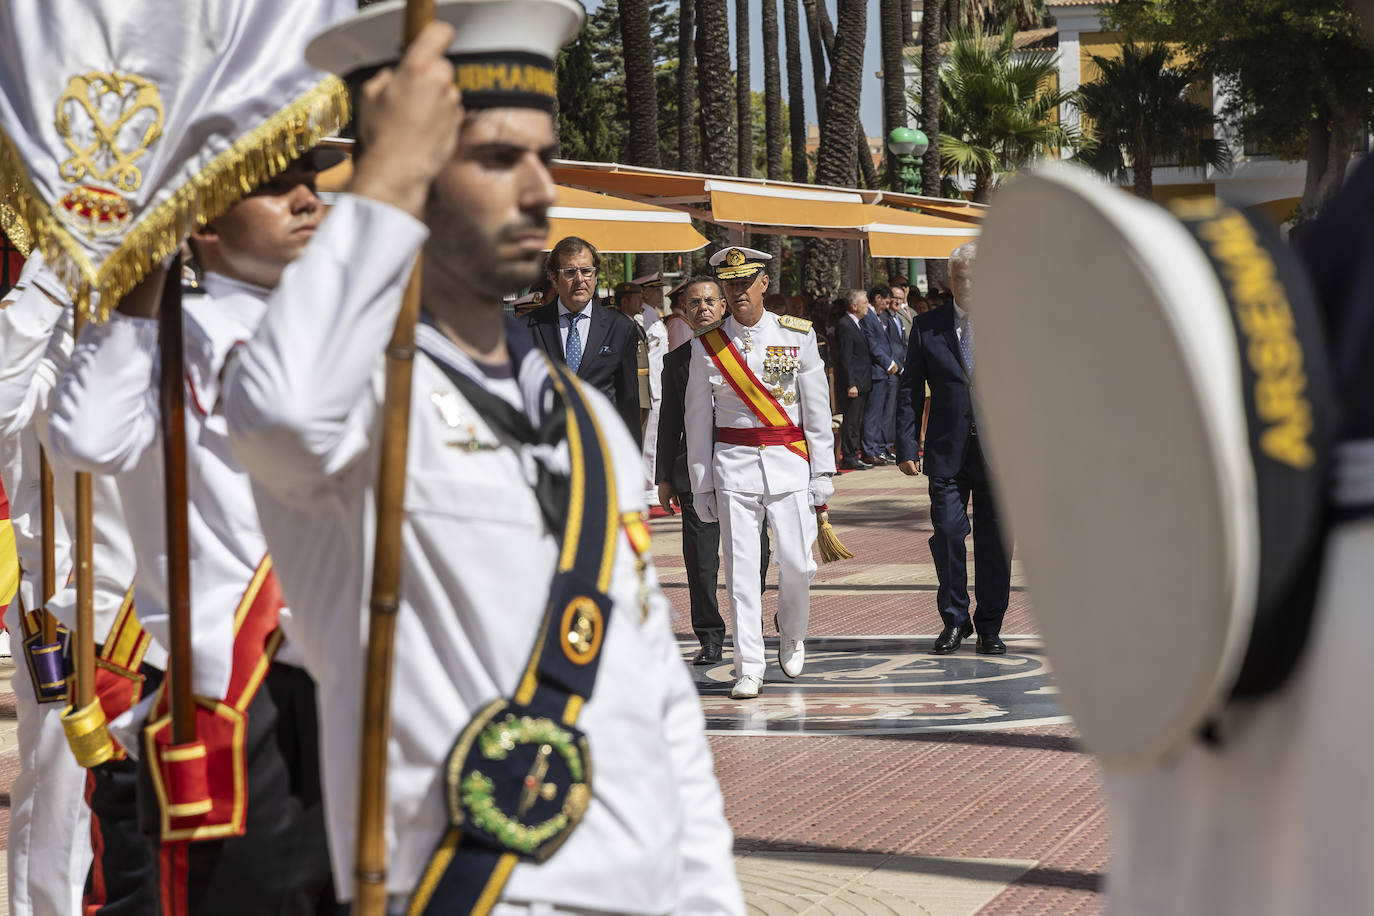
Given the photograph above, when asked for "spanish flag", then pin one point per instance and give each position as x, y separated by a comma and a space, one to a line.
9, 559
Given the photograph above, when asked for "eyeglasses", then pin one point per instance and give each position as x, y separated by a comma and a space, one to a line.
568, 273
708, 302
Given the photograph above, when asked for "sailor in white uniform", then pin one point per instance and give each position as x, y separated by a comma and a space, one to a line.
105, 419
49, 850
656, 333
760, 447
488, 459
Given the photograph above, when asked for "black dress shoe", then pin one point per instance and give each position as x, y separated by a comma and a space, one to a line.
877, 461
854, 464
990, 645
709, 654
950, 637
889, 455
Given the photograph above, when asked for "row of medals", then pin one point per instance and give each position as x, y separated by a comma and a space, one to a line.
780, 365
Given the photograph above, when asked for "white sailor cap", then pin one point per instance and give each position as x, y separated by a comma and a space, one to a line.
651, 280
503, 50
533, 299
1199, 320
738, 263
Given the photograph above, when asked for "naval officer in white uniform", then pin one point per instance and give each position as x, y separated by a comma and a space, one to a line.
469, 185
760, 446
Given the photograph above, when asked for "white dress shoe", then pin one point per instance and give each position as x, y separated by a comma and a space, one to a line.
791, 656
746, 688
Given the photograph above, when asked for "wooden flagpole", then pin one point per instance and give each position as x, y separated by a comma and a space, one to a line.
370, 862
85, 580
49, 539
172, 397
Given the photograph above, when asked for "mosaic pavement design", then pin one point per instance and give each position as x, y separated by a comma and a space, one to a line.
885, 686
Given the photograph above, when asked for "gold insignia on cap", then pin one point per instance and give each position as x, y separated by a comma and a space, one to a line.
735, 258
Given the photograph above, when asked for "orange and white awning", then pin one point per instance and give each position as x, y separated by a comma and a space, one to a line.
894, 233
614, 224
765, 205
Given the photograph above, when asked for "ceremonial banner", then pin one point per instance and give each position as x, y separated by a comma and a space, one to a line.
127, 124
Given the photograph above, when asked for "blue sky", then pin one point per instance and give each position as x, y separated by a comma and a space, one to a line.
871, 102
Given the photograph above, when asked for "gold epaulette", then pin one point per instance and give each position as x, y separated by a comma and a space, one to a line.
709, 327
793, 323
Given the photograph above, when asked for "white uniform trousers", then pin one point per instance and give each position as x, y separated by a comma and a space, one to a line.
793, 523
50, 836
651, 454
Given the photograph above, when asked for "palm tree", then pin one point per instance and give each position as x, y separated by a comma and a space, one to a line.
686, 88
985, 15
717, 95
996, 111
796, 89
931, 32
641, 97
1140, 115
743, 97
772, 121
813, 32
839, 120
894, 71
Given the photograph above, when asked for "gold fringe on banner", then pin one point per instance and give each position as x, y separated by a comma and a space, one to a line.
14, 229
255, 158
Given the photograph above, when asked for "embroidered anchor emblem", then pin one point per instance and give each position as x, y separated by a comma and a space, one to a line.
535, 786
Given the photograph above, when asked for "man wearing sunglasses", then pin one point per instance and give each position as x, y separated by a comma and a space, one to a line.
599, 344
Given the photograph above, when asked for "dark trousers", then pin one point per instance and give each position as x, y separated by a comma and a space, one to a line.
873, 439
280, 866
851, 425
123, 876
949, 499
701, 554
889, 428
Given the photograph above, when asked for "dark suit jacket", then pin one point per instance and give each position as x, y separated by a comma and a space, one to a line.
610, 355
896, 338
932, 357
880, 351
670, 465
853, 358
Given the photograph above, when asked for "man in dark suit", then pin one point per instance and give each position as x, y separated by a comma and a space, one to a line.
704, 304
884, 368
599, 344
941, 353
853, 380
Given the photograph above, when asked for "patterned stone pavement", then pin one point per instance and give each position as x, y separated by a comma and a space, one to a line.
885, 780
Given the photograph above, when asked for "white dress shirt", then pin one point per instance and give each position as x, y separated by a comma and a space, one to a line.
476, 567
105, 418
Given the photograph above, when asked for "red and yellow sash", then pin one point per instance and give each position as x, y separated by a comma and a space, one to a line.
9, 555
747, 385
202, 787
118, 681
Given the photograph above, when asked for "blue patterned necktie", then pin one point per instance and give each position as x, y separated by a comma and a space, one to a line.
573, 350
966, 342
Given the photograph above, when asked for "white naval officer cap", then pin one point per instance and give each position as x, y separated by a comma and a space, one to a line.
502, 51
1160, 596
735, 262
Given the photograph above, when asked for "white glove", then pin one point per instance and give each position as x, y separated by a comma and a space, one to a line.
704, 504
821, 490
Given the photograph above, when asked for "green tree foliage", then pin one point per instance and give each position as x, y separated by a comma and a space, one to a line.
1297, 75
996, 109
593, 86
1141, 115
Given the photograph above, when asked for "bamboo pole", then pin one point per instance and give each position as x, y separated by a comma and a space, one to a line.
85, 580
370, 861
172, 397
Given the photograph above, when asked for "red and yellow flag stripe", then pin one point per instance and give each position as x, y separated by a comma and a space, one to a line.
747, 385
9, 554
